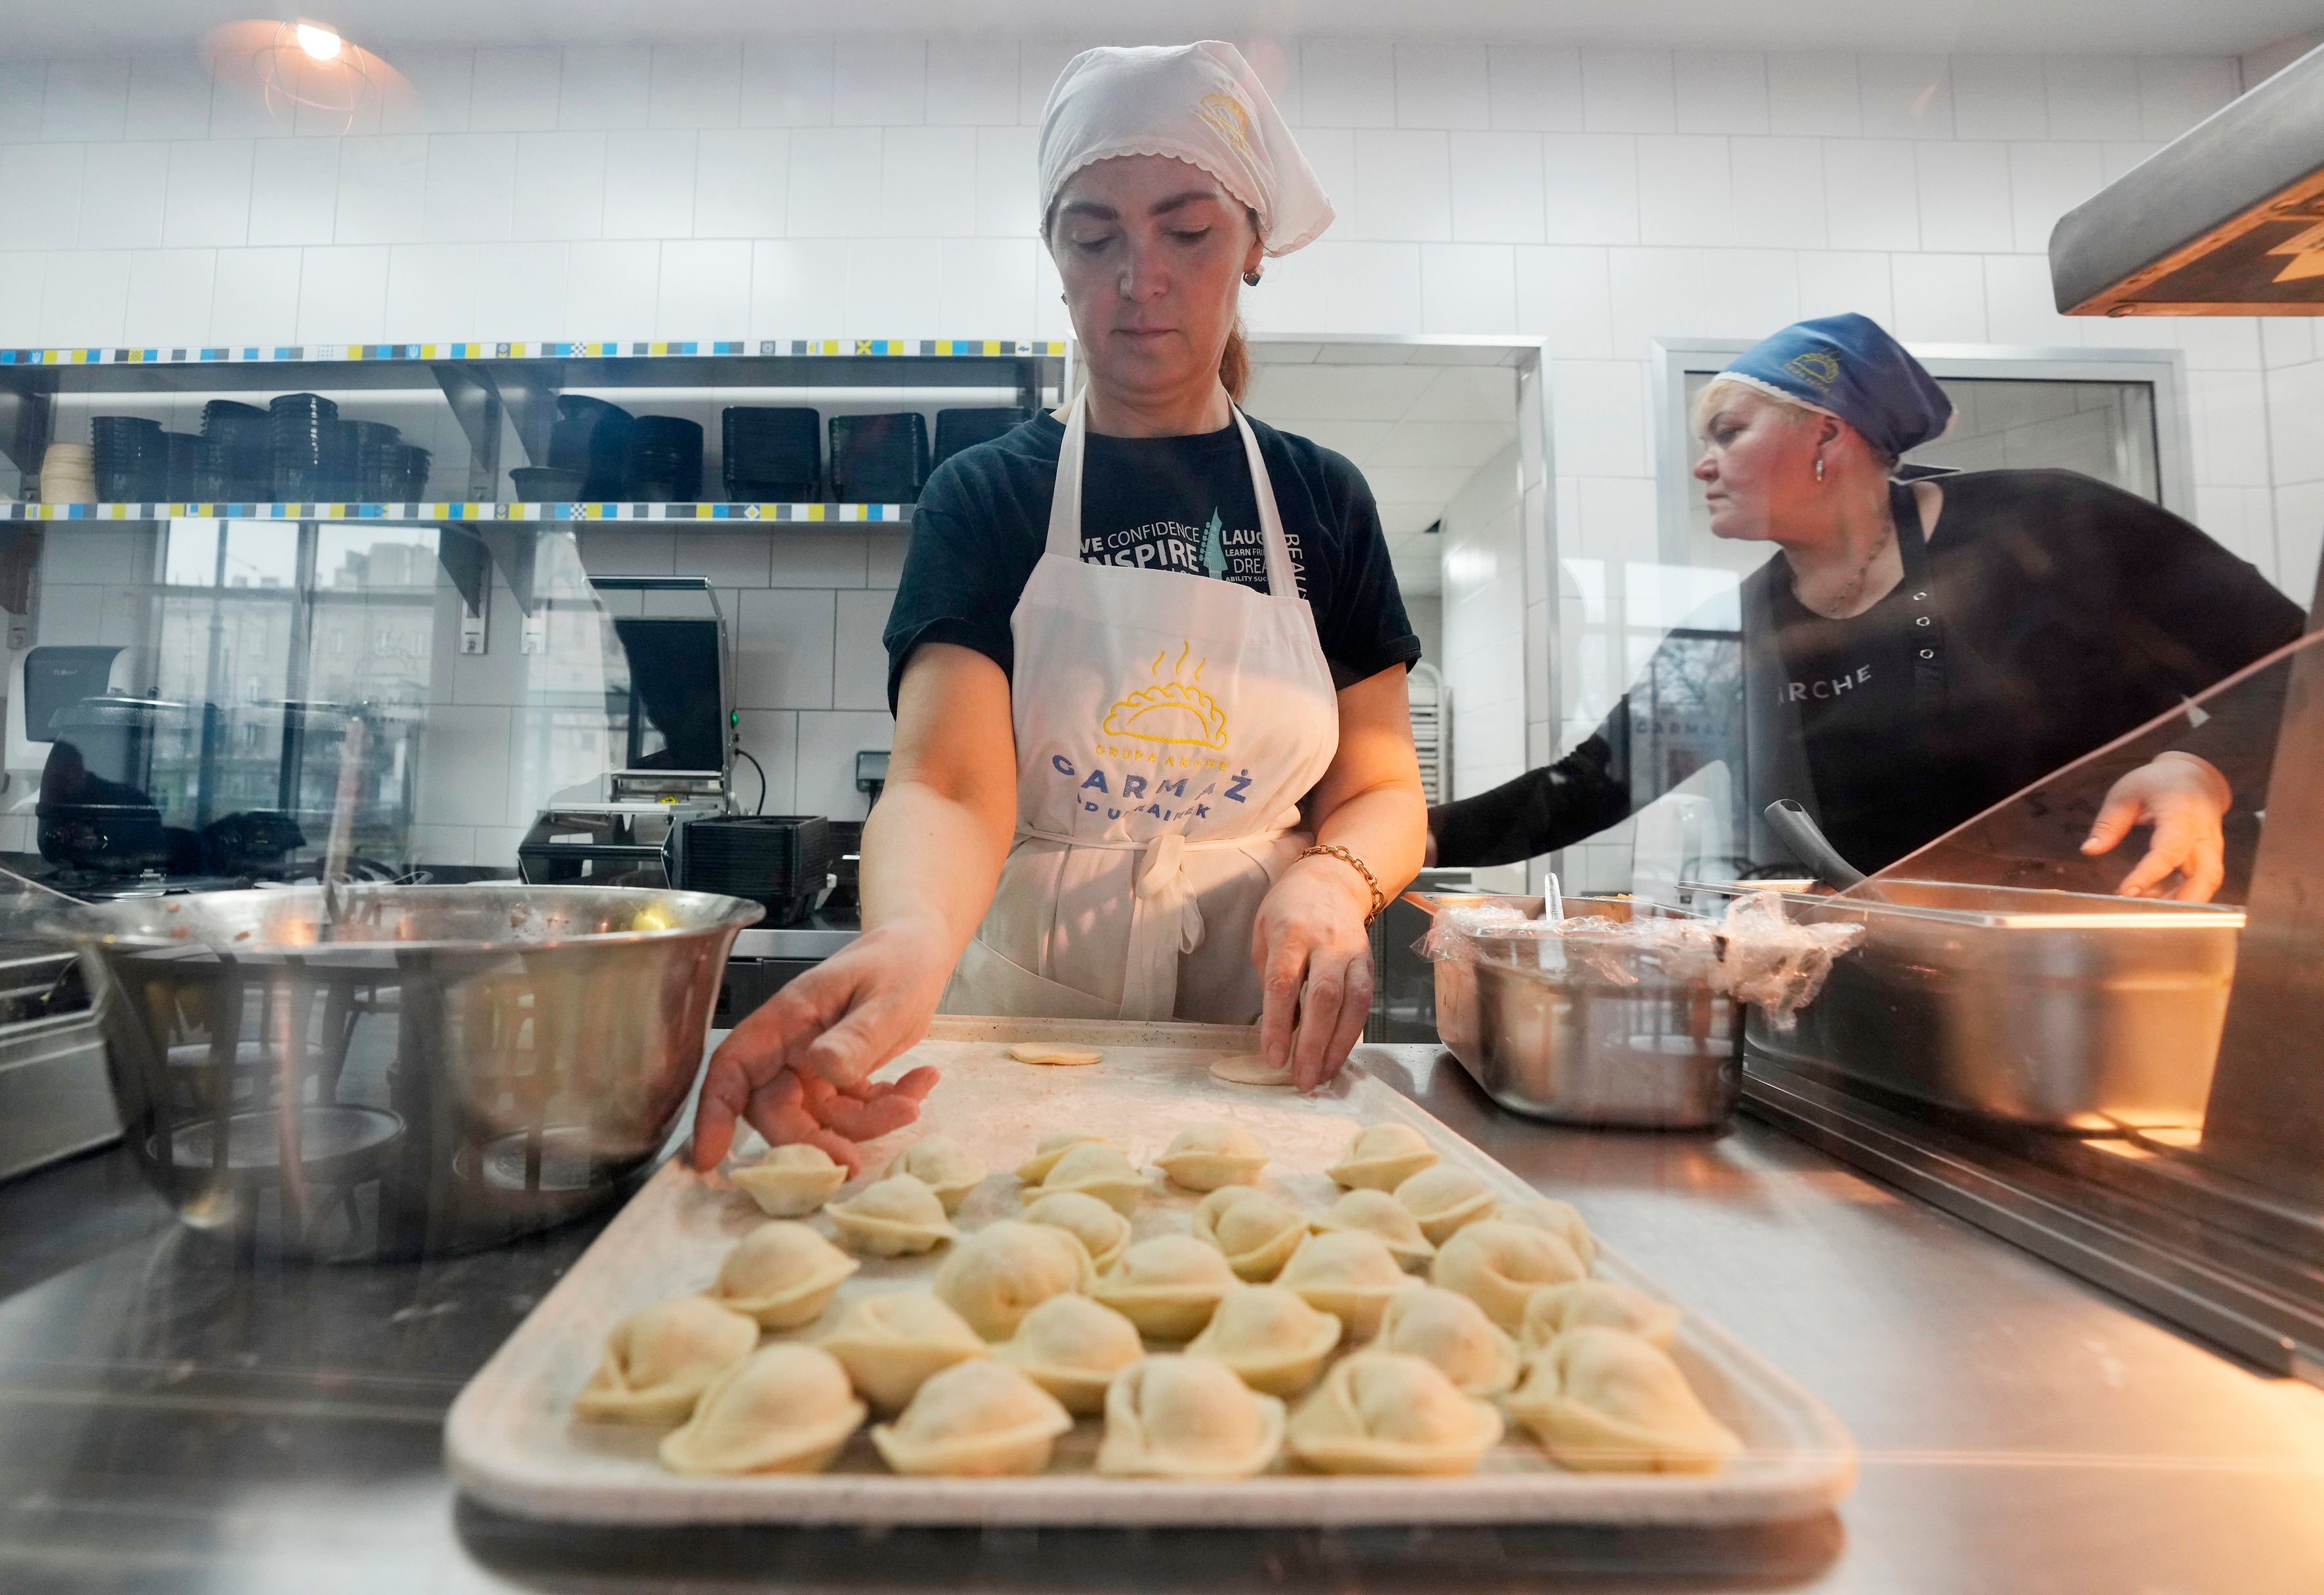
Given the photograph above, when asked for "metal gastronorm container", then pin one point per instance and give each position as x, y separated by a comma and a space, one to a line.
2051, 1009
1572, 1045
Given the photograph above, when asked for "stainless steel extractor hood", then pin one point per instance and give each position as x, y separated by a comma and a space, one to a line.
2227, 219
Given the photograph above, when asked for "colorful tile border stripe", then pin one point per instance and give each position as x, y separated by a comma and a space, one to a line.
777, 514
758, 348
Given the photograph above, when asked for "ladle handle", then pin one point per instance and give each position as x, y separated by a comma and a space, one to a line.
1799, 831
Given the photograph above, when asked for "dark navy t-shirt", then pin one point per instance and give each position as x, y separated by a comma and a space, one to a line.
1160, 503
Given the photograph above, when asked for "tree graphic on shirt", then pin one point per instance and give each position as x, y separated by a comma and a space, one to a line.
1214, 554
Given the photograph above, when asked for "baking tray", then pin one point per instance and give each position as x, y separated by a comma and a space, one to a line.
511, 1443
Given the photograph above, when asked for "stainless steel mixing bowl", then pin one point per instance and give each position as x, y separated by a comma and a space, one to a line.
443, 1067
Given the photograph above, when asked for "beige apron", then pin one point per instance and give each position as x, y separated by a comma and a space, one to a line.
1168, 725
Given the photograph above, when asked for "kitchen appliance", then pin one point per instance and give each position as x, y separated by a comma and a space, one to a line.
784, 862
54, 1101
434, 1068
1619, 1039
964, 428
2059, 1010
592, 437
637, 841
879, 460
665, 462
770, 453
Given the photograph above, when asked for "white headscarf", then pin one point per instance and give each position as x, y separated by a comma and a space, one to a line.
1198, 103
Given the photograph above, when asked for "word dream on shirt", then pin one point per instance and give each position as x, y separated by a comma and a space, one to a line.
1236, 554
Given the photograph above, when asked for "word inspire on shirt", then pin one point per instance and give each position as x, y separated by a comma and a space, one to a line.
1829, 687
1132, 793
1236, 554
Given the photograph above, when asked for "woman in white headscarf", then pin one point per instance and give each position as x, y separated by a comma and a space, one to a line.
1153, 759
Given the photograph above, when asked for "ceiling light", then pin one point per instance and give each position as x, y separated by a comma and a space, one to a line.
319, 41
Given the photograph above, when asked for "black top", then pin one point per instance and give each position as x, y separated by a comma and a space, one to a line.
2048, 614
1165, 503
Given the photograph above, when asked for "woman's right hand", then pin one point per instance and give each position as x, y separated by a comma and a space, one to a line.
797, 1069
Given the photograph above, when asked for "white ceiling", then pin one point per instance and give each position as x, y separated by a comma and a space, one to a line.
1418, 422
2151, 27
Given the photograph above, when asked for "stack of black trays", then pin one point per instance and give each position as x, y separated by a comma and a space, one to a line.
960, 429
782, 860
665, 460
132, 458
185, 464
308, 448
771, 454
383, 462
879, 460
237, 463
593, 437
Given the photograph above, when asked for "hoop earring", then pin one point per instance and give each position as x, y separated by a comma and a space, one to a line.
1819, 467
1250, 278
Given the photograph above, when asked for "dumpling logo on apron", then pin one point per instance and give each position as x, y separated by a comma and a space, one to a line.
1172, 711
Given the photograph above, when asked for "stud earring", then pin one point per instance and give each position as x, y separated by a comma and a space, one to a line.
1819, 467
1250, 278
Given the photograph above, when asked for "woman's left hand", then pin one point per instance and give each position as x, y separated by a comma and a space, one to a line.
2185, 800
1315, 962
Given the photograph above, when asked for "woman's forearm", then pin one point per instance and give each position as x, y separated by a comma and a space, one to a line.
1387, 827
931, 861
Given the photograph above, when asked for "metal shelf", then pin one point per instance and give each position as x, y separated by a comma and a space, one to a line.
733, 517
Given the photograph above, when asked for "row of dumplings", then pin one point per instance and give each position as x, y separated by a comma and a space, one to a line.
1031, 1321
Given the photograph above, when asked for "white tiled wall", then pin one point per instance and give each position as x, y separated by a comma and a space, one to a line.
1597, 197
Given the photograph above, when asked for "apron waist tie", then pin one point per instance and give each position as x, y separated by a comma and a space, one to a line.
1166, 918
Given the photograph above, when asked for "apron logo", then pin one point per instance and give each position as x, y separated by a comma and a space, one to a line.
1176, 711
1226, 114
1819, 368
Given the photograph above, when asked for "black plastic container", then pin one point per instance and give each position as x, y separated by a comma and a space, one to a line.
185, 464
307, 449
879, 460
592, 437
545, 485
771, 453
783, 862
237, 459
962, 428
665, 461
130, 458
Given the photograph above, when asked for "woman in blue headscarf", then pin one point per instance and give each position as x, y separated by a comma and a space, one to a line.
1917, 652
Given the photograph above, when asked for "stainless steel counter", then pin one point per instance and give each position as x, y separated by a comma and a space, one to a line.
170, 1422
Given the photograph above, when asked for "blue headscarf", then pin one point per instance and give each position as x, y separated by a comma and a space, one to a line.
1848, 366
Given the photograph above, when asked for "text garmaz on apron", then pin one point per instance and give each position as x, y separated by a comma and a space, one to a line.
1168, 725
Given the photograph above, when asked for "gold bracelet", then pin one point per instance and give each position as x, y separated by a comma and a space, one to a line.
1357, 865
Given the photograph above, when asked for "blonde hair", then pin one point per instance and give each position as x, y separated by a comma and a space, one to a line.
1722, 390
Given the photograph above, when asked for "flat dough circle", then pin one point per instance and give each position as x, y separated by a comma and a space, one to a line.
1248, 1068
1045, 1051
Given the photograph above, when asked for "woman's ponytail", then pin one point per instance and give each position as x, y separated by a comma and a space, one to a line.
1234, 364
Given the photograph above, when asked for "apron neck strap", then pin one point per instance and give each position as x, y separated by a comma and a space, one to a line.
1066, 503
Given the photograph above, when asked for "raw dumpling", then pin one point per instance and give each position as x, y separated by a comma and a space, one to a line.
1498, 1265
790, 1182
1054, 1146
1048, 1052
944, 1166
1444, 1199
975, 1419
1349, 1274
1378, 1213
890, 1344
1005, 1270
782, 1273
1603, 1401
1452, 1331
1072, 1347
1269, 1336
1094, 1168
786, 1409
1560, 1219
1386, 1413
1248, 1068
1204, 1156
1104, 1233
1167, 1285
1183, 1418
1552, 1311
892, 1218
1382, 1156
658, 1363
1257, 1232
